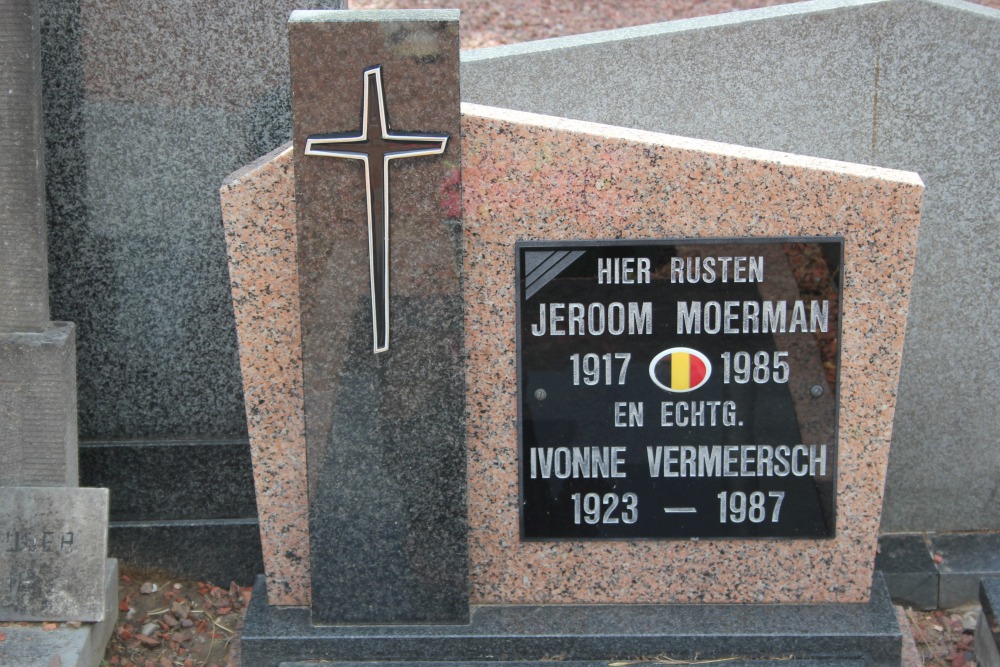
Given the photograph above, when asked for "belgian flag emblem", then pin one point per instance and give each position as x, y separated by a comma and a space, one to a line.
680, 369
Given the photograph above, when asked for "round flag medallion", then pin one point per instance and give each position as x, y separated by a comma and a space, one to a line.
680, 369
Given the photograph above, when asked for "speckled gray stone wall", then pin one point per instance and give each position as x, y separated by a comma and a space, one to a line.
147, 108
907, 84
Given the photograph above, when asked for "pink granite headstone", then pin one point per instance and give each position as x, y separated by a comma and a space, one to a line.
530, 177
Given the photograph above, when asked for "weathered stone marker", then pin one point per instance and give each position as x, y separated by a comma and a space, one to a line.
53, 551
376, 138
37, 357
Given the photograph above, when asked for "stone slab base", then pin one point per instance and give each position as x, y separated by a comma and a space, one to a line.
916, 580
988, 629
215, 550
28, 645
584, 634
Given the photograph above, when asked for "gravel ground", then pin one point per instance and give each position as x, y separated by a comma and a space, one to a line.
184, 623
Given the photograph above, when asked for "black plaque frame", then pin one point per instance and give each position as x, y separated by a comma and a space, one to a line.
556, 414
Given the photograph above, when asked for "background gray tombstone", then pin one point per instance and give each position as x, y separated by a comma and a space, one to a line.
900, 84
148, 106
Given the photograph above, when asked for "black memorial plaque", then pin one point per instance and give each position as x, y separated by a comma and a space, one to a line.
678, 389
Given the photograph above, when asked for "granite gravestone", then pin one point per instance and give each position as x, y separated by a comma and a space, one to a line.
567, 183
987, 642
147, 106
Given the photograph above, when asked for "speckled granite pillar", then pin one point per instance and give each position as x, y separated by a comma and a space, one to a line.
384, 430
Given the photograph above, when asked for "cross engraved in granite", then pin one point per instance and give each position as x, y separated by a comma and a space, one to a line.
373, 145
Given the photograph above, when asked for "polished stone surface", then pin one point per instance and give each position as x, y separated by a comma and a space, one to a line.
216, 550
870, 82
869, 631
54, 546
24, 279
147, 108
385, 432
38, 420
31, 645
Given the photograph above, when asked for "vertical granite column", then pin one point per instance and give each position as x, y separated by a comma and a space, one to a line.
38, 435
384, 383
24, 297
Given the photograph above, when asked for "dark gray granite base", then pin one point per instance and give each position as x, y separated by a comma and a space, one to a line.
915, 580
156, 480
185, 507
219, 550
909, 570
385, 432
988, 630
586, 633
965, 560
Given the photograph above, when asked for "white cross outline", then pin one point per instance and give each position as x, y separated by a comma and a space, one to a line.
313, 147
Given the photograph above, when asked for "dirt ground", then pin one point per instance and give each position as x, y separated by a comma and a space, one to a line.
164, 622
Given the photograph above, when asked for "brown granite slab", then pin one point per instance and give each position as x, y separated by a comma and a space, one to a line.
536, 177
